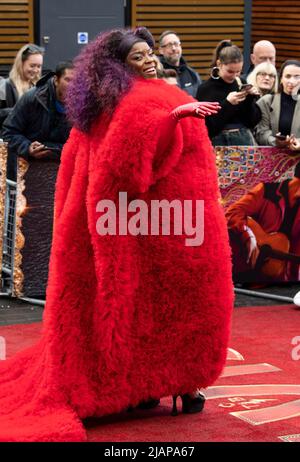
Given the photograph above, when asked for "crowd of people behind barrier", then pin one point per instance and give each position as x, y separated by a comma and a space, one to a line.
34, 122
256, 108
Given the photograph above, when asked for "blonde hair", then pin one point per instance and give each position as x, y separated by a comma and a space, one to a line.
264, 67
17, 75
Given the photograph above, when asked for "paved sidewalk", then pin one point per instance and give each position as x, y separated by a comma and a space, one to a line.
15, 311
285, 290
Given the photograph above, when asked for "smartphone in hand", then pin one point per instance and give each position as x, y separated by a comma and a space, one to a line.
246, 86
280, 137
51, 148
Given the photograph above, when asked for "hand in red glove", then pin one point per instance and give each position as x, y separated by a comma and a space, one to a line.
199, 109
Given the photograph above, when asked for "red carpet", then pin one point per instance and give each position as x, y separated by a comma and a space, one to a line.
256, 399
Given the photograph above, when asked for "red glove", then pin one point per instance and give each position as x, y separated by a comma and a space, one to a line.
196, 109
199, 109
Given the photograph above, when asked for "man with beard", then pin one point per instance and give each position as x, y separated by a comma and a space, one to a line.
171, 58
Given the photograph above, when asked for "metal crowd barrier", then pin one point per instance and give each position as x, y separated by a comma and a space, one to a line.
9, 235
25, 247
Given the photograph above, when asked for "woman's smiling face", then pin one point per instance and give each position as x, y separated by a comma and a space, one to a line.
141, 60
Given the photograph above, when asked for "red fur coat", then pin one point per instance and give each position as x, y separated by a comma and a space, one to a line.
126, 317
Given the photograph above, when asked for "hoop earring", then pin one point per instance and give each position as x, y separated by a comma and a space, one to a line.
215, 73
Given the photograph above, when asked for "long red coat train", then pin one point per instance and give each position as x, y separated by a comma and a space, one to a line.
126, 317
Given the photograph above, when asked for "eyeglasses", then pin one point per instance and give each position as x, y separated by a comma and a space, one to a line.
171, 44
265, 74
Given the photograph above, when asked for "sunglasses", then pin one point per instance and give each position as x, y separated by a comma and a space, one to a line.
32, 49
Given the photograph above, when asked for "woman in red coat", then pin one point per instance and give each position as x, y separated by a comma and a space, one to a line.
135, 310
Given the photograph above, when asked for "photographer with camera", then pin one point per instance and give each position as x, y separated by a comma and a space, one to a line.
37, 127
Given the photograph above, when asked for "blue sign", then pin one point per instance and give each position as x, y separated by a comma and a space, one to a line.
82, 38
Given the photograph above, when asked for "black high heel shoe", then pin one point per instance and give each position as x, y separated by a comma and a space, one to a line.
190, 404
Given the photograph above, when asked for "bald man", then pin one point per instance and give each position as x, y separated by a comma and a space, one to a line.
263, 51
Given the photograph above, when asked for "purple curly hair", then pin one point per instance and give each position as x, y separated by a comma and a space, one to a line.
101, 75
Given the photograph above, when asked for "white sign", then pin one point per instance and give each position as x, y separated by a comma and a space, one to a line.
82, 38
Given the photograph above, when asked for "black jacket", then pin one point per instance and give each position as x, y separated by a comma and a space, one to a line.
246, 114
8, 98
34, 118
189, 80
247, 72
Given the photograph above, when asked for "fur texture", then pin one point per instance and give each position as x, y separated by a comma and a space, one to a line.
126, 318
